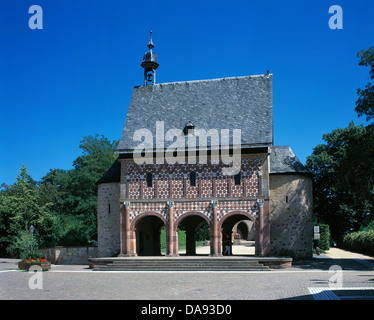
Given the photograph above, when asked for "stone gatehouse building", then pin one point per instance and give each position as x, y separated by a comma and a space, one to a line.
183, 181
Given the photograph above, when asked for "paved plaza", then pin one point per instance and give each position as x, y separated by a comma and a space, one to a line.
337, 275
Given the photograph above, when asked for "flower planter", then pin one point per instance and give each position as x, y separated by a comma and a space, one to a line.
24, 265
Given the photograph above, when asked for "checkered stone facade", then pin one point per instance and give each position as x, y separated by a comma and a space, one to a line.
172, 181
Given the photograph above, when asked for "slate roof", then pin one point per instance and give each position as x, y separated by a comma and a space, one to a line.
283, 160
244, 103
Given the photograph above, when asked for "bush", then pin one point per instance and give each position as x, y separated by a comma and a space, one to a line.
181, 238
32, 255
324, 239
360, 241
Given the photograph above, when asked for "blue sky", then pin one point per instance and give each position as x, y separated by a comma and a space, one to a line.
75, 77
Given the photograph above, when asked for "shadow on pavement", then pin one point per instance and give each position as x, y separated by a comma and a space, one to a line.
326, 263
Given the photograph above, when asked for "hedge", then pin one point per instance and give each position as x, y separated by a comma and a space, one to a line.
360, 241
324, 238
181, 238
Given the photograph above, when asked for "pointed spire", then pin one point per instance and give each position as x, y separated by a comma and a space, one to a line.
150, 44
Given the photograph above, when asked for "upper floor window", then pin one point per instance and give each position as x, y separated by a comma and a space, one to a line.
149, 179
193, 179
237, 179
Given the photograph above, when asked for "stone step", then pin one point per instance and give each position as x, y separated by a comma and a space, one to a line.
185, 263
181, 269
190, 268
182, 265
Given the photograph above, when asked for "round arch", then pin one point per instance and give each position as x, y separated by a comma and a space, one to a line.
136, 220
147, 231
226, 224
189, 214
191, 220
237, 212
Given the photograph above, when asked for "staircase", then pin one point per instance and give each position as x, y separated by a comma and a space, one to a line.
181, 264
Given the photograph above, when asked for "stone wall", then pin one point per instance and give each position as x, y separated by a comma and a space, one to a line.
69, 255
291, 215
108, 215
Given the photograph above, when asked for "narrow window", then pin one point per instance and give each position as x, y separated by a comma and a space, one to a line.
109, 208
237, 178
149, 180
286, 199
193, 179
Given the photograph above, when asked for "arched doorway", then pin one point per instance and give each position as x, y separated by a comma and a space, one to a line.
148, 230
197, 229
227, 224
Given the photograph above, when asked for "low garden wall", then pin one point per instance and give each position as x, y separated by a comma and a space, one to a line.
69, 255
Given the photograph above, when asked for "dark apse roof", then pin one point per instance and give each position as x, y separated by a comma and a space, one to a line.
244, 103
283, 160
113, 174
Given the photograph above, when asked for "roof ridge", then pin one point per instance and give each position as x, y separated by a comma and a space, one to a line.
210, 80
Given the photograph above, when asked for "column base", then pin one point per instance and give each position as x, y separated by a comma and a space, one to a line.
216, 255
130, 254
171, 255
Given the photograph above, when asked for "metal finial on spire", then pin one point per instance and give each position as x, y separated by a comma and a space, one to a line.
150, 44
150, 64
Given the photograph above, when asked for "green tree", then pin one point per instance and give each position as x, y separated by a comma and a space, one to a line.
334, 200
78, 189
20, 207
343, 167
365, 102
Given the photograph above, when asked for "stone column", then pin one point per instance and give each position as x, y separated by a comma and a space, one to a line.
171, 238
127, 228
260, 204
125, 247
122, 230
215, 239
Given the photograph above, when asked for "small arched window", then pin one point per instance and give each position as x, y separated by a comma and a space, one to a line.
149, 180
193, 179
237, 178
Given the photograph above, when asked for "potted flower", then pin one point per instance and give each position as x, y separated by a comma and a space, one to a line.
34, 259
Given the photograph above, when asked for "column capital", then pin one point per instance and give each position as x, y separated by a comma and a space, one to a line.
127, 204
260, 202
214, 203
170, 204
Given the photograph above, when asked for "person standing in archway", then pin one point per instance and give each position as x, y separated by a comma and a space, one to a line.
227, 244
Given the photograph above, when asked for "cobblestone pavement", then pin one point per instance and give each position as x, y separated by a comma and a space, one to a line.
308, 279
